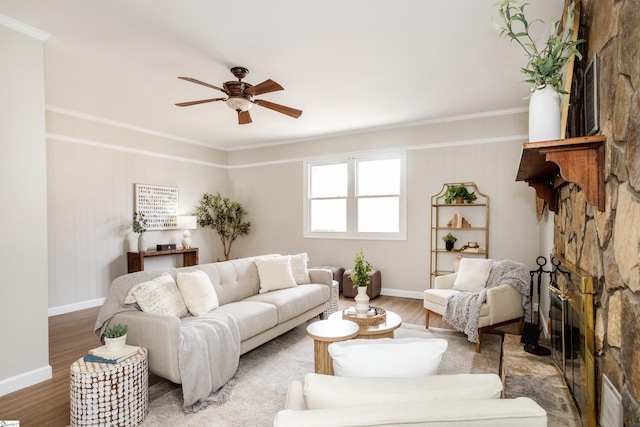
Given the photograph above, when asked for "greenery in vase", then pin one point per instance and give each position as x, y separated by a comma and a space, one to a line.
139, 223
115, 331
547, 62
224, 216
450, 238
454, 191
361, 273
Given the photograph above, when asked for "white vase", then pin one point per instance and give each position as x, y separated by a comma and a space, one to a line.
362, 302
544, 115
142, 243
115, 344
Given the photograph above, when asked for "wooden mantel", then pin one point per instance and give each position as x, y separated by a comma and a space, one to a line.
546, 165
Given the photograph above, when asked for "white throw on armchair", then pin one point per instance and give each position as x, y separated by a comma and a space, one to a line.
499, 288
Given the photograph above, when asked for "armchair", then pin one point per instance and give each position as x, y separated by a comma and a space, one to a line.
504, 304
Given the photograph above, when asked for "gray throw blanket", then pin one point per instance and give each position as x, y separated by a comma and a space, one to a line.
462, 310
208, 357
209, 348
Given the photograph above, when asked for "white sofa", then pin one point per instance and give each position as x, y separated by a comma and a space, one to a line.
462, 400
260, 317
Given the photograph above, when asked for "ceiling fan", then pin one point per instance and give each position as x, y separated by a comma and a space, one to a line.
240, 96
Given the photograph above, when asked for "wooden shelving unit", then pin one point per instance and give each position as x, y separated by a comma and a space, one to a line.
477, 214
546, 165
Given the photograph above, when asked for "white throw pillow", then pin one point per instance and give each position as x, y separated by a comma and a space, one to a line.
387, 357
472, 274
299, 268
158, 296
198, 292
275, 273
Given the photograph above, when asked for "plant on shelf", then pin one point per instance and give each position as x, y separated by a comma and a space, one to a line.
546, 62
224, 216
139, 223
459, 193
449, 240
115, 331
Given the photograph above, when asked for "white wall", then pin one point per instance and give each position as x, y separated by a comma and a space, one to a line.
484, 150
24, 352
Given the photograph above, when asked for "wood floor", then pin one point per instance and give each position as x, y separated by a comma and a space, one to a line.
71, 336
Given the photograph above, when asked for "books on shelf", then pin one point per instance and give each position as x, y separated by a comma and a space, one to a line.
101, 355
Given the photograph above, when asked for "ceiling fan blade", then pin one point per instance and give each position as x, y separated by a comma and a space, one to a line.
244, 117
264, 87
279, 108
192, 80
202, 101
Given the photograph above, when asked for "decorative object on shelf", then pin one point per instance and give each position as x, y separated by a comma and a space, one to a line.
458, 221
186, 223
545, 67
361, 277
449, 240
224, 216
459, 194
166, 247
140, 226
472, 244
115, 337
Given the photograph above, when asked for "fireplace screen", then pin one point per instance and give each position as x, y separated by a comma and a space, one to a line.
573, 335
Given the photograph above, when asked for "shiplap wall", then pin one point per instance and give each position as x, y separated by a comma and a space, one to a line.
92, 166
91, 172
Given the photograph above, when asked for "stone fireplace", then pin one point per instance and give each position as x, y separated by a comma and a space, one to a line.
606, 244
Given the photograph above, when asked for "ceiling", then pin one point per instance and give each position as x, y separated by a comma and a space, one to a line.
350, 65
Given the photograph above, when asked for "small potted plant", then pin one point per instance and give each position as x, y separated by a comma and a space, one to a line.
361, 278
460, 194
140, 226
115, 337
449, 240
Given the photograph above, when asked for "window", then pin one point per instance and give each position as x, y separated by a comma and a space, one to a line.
361, 197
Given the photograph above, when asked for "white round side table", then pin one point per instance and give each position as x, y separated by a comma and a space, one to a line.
104, 394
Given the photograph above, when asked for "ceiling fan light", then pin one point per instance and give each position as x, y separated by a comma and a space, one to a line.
238, 103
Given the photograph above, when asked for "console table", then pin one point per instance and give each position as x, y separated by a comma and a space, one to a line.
135, 260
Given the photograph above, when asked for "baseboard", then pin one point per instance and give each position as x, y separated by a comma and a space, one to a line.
25, 379
401, 294
62, 309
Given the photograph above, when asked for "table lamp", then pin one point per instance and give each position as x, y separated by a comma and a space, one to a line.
187, 222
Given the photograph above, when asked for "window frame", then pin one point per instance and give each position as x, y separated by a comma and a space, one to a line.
352, 199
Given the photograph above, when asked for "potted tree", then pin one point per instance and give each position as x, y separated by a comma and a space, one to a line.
449, 240
224, 216
140, 226
115, 337
361, 278
460, 194
545, 65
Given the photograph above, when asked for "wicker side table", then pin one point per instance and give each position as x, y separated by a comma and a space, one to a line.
104, 394
333, 301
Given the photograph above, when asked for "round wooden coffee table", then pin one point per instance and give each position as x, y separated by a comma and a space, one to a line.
383, 330
324, 332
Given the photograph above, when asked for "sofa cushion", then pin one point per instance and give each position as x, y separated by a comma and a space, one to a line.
158, 296
387, 357
198, 293
439, 296
252, 317
473, 274
295, 301
275, 273
299, 268
327, 391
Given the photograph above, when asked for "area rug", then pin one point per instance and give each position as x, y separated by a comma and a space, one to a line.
259, 388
